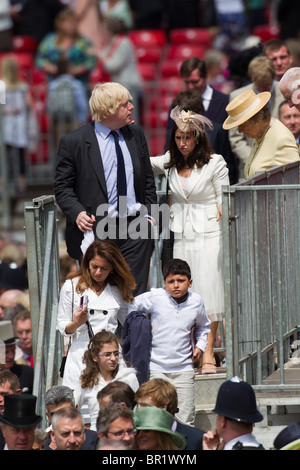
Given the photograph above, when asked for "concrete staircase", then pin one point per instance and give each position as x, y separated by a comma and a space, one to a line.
206, 390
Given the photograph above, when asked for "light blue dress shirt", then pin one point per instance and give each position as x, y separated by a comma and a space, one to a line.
109, 160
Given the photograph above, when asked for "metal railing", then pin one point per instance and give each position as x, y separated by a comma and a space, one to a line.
44, 287
261, 233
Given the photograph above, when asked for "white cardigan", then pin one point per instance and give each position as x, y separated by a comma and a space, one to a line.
204, 197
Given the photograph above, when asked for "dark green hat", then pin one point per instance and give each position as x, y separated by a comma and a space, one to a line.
152, 418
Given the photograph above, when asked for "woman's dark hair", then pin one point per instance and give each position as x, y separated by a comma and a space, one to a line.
177, 266
200, 157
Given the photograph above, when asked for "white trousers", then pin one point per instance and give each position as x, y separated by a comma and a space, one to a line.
184, 382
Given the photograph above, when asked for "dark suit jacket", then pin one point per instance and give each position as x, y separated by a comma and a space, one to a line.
194, 436
80, 180
136, 343
216, 109
219, 140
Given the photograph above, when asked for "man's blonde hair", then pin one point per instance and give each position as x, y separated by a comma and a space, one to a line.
261, 70
106, 98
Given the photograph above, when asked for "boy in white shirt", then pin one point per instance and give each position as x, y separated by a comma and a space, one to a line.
179, 333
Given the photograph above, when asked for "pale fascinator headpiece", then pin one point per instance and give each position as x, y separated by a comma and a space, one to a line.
188, 121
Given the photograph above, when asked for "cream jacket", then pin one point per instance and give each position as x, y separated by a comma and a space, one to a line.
204, 194
278, 148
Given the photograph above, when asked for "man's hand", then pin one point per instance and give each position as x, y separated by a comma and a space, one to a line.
197, 354
211, 441
85, 222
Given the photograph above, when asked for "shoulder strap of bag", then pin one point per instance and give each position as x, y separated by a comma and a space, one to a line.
70, 340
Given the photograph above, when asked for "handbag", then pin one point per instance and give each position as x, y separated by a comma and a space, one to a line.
64, 359
168, 243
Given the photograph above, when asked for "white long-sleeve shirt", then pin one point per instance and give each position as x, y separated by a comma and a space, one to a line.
173, 326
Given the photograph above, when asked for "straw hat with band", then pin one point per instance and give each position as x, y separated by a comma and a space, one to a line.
244, 106
152, 418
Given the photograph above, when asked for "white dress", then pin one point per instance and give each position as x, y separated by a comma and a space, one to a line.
104, 312
198, 236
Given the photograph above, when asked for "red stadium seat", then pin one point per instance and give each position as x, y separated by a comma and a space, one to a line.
185, 51
161, 102
24, 44
200, 36
266, 32
148, 37
38, 77
147, 71
157, 119
170, 68
148, 54
170, 86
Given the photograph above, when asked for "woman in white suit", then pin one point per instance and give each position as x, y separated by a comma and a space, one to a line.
196, 175
105, 278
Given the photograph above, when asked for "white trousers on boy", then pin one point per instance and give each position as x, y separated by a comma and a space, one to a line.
184, 382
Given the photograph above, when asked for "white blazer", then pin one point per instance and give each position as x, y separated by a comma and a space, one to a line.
204, 194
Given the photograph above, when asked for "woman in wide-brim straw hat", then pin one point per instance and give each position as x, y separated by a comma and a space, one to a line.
273, 145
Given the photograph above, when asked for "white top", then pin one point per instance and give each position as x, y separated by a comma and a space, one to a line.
245, 439
184, 184
206, 97
172, 326
88, 396
203, 197
110, 301
104, 311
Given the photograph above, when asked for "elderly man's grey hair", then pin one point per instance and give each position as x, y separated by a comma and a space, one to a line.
291, 79
59, 394
69, 413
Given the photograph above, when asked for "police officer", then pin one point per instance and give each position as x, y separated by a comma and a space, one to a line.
236, 413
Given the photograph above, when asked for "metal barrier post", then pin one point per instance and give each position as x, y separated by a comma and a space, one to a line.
44, 287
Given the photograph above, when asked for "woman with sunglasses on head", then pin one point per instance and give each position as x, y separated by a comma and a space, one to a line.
103, 364
105, 279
